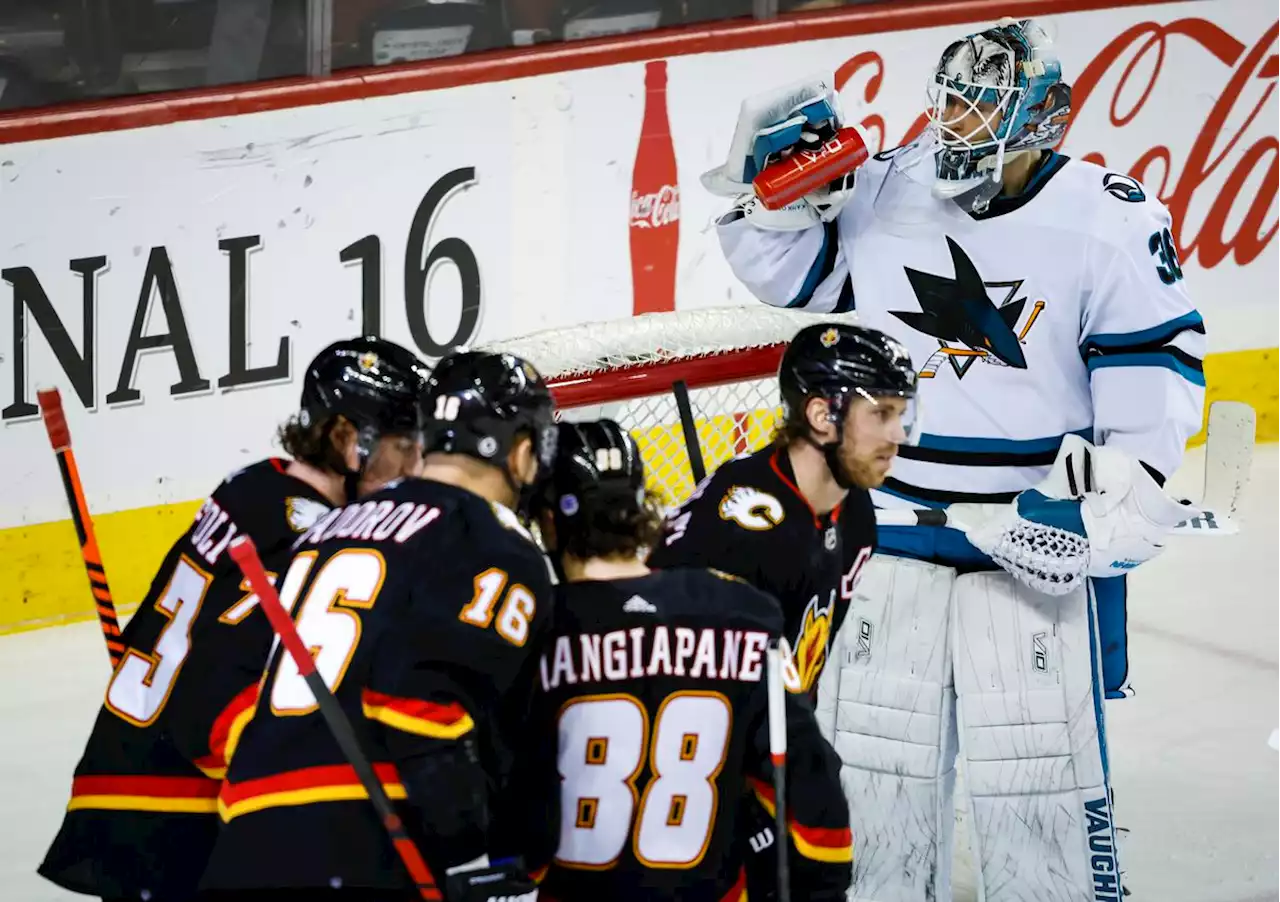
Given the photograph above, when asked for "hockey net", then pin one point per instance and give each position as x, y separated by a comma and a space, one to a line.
640, 370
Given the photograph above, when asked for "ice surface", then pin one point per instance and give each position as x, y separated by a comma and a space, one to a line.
1195, 780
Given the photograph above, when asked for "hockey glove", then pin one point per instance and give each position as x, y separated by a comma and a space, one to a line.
1109, 498
482, 882
771, 126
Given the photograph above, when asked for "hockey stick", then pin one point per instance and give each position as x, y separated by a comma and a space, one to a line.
776, 693
246, 557
1227, 461
55, 423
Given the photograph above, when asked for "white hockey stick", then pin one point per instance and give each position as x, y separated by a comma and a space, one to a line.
1228, 458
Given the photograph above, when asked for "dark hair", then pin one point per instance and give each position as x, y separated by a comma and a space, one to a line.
613, 531
311, 444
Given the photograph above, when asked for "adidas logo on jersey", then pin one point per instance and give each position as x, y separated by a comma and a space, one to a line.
637, 605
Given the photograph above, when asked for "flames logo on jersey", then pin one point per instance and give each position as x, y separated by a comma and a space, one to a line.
814, 640
968, 324
303, 513
751, 508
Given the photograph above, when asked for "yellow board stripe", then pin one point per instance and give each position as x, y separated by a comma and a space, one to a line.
45, 579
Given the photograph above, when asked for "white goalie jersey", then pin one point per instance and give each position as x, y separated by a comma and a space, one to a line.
1062, 310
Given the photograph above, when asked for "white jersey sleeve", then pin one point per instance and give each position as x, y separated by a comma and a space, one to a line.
804, 269
1141, 338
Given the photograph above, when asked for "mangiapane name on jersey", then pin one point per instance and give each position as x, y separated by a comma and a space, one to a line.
647, 651
378, 521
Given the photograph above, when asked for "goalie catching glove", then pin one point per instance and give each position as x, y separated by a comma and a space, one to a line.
771, 126
1098, 514
1122, 510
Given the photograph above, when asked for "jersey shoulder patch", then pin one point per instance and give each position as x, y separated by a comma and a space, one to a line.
1123, 187
751, 508
303, 513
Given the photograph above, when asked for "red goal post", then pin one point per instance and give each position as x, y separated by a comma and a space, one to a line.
638, 371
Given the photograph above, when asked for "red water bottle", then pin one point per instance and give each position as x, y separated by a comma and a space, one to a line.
655, 201
804, 171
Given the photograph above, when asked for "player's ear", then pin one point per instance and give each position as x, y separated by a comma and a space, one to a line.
522, 461
344, 436
818, 412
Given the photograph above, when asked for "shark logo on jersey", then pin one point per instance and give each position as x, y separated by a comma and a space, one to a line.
969, 325
1123, 188
751, 508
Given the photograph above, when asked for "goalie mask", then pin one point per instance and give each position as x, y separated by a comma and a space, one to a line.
994, 94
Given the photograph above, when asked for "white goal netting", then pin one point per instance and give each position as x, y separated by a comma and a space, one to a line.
628, 370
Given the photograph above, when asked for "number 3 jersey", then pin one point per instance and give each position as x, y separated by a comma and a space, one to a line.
749, 519
422, 606
142, 815
650, 722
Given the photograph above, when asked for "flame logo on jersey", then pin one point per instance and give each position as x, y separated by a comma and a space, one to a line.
751, 508
968, 324
303, 513
814, 640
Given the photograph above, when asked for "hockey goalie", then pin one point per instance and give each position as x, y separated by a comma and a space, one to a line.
1060, 368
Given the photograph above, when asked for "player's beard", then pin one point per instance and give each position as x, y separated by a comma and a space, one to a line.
867, 471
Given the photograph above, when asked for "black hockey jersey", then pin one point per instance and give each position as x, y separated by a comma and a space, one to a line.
423, 605
650, 722
749, 519
144, 795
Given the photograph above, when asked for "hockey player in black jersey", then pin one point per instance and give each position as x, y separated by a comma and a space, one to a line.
142, 816
423, 605
795, 519
650, 715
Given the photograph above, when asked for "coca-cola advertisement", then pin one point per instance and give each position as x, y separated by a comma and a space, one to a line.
655, 201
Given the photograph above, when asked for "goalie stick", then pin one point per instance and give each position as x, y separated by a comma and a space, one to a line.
246, 557
1227, 460
55, 423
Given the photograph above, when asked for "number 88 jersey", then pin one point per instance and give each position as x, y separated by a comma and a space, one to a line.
650, 724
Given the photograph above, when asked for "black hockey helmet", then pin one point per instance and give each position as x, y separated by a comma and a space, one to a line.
596, 493
837, 362
479, 402
372, 382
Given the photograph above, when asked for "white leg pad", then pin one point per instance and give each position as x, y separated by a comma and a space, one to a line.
887, 705
1029, 715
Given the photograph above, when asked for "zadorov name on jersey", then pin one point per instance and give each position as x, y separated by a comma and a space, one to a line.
647, 651
1106, 877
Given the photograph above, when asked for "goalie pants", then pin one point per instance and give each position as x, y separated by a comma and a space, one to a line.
929, 665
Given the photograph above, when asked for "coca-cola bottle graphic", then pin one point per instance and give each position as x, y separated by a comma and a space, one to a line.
655, 201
